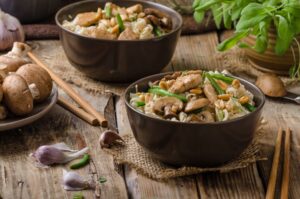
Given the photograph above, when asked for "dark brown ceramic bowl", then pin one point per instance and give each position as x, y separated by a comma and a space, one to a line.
114, 60
191, 144
29, 11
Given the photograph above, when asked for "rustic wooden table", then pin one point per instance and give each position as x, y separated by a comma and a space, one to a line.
20, 179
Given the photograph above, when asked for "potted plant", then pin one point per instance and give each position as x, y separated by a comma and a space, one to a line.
268, 29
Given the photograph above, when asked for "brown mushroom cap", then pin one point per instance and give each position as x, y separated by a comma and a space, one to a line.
196, 104
34, 74
17, 96
167, 106
10, 64
271, 85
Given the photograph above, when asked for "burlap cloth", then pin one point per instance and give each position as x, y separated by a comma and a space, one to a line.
132, 154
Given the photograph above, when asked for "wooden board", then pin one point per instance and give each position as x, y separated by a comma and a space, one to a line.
20, 179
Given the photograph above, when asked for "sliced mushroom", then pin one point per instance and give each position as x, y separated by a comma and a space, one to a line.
153, 19
184, 83
17, 95
128, 34
210, 92
196, 104
203, 117
166, 21
271, 85
155, 12
167, 106
34, 74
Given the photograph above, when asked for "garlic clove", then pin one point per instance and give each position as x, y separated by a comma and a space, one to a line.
109, 138
10, 31
74, 182
59, 153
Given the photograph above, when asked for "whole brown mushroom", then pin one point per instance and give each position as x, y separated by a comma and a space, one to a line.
34, 74
271, 85
17, 96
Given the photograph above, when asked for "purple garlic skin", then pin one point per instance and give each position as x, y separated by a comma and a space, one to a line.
74, 182
108, 138
58, 153
48, 155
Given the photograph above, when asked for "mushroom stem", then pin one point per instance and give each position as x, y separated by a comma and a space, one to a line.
34, 91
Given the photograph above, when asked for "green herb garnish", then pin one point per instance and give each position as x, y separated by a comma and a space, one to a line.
249, 107
81, 163
162, 92
108, 10
102, 180
140, 103
120, 22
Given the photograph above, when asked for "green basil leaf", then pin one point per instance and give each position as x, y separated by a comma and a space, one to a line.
217, 14
230, 42
246, 22
196, 3
262, 38
226, 16
244, 45
284, 35
199, 16
206, 5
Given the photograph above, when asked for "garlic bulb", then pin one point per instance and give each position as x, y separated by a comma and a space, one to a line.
10, 31
56, 154
74, 182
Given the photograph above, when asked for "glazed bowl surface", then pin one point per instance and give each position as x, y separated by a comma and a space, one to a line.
193, 144
117, 60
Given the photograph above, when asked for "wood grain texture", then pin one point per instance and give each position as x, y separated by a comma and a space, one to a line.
19, 177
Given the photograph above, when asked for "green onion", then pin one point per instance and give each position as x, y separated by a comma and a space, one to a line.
140, 103
214, 84
78, 196
157, 31
250, 107
102, 180
84, 161
120, 22
222, 77
108, 10
163, 92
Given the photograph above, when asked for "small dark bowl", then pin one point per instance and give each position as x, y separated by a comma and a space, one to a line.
191, 144
114, 60
29, 11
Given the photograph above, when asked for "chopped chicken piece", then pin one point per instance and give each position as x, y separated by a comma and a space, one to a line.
87, 18
184, 83
128, 34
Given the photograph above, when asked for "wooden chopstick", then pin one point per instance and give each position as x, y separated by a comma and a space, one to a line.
77, 111
68, 89
286, 166
273, 174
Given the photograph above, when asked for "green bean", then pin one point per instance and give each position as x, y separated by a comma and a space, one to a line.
222, 77
214, 84
108, 10
163, 92
250, 107
157, 31
120, 22
140, 103
81, 163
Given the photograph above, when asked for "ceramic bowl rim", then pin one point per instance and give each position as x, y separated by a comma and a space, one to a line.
156, 5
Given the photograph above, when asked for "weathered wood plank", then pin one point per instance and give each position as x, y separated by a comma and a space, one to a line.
282, 114
20, 179
142, 187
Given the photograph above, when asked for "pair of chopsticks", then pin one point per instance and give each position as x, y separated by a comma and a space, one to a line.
87, 113
286, 166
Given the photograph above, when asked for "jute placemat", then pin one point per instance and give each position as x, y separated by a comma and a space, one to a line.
132, 154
